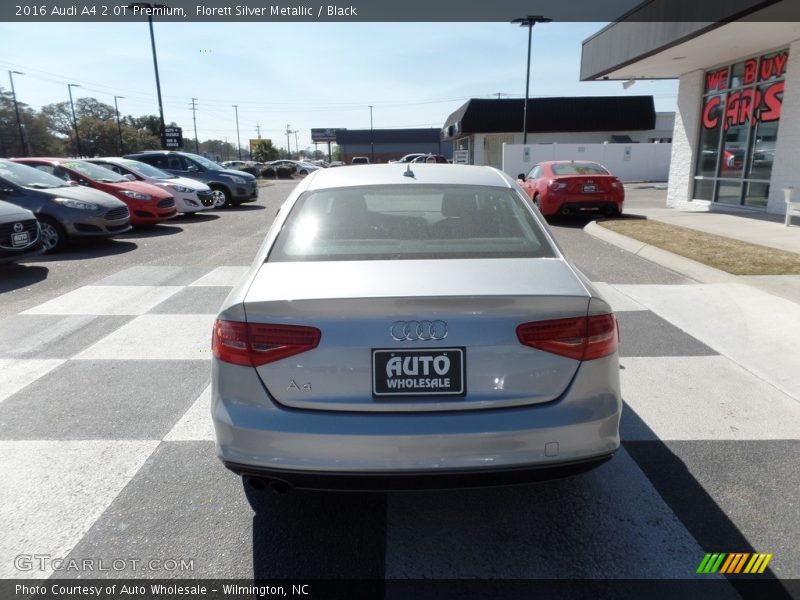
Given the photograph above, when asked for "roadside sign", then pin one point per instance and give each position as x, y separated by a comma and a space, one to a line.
323, 135
255, 142
461, 157
173, 138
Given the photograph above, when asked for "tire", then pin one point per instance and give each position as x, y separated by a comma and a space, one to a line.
303, 172
536, 202
222, 197
53, 234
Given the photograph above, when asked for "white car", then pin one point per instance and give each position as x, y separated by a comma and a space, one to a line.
190, 195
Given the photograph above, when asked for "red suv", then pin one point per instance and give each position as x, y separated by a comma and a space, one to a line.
147, 203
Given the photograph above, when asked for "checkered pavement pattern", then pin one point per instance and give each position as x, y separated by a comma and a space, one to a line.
108, 451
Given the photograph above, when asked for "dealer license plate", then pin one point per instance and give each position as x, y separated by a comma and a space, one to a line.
20, 239
424, 372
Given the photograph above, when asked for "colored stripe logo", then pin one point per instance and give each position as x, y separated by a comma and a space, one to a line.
734, 563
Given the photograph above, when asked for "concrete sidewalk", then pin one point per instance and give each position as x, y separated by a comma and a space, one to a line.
649, 201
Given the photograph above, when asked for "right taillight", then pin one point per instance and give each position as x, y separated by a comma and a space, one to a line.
579, 338
255, 344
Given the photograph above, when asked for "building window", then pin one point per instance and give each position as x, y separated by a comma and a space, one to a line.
739, 129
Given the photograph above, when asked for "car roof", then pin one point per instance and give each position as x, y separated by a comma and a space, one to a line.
389, 174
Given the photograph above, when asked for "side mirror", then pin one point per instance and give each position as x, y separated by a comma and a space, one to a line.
72, 182
521, 176
129, 177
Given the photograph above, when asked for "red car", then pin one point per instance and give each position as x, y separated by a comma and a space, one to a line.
147, 203
569, 187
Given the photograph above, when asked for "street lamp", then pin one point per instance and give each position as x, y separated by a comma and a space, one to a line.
152, 5
238, 142
528, 22
16, 110
119, 126
74, 120
371, 138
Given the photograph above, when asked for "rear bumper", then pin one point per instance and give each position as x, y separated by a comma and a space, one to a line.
581, 205
257, 436
415, 480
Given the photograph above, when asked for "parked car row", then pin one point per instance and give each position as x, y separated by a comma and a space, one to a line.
46, 202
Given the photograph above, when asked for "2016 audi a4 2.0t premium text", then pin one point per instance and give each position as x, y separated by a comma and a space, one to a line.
412, 326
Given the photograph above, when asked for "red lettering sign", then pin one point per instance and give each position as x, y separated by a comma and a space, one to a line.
773, 66
744, 106
710, 121
717, 80
750, 70
773, 99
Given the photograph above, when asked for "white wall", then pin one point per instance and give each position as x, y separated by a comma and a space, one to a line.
629, 162
785, 171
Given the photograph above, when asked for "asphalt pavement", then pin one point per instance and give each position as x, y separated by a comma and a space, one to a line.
108, 449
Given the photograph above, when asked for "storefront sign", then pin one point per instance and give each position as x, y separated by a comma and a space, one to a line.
758, 103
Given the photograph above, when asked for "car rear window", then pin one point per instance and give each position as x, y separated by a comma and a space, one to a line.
582, 168
410, 222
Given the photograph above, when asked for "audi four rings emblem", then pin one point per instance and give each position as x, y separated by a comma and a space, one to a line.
17, 227
418, 331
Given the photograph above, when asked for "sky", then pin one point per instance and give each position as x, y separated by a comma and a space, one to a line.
301, 75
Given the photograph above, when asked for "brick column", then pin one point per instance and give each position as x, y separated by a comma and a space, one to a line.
684, 142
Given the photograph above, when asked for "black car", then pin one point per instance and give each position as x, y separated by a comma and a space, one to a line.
20, 237
236, 187
64, 211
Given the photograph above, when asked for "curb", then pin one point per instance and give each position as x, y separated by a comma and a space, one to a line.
680, 264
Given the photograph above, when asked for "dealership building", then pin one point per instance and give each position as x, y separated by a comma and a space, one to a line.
736, 141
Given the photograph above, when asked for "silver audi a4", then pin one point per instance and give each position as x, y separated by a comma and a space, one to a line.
412, 326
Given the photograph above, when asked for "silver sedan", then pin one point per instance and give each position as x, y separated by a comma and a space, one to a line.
412, 326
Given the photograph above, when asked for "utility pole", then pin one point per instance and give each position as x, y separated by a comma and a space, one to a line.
258, 130
371, 138
194, 120
288, 147
74, 120
296, 144
119, 126
16, 110
238, 142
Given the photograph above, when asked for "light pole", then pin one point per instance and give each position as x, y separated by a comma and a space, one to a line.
74, 120
371, 138
119, 126
16, 110
155, 62
238, 142
528, 22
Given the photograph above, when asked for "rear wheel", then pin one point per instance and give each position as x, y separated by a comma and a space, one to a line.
54, 236
536, 202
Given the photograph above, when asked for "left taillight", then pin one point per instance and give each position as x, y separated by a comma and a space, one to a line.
256, 344
579, 338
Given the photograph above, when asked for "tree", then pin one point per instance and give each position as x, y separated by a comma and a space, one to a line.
265, 151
